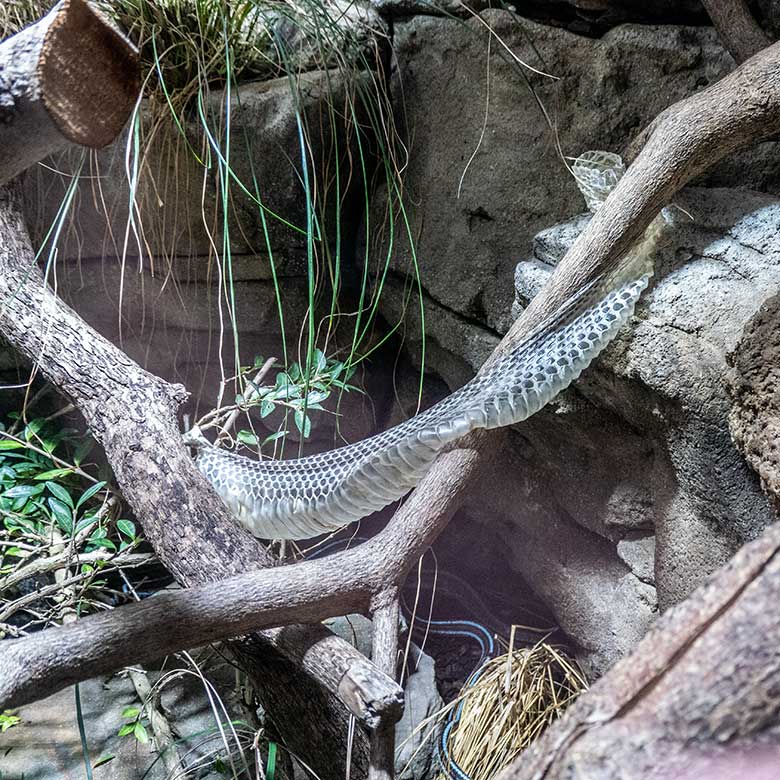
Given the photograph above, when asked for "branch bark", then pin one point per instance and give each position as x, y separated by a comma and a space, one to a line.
70, 78
738, 30
132, 414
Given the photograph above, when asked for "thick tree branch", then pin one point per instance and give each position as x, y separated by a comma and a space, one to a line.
738, 30
69, 78
701, 684
309, 591
133, 415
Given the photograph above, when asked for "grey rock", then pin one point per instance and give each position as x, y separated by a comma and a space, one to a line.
47, 744
415, 744
472, 218
584, 16
639, 452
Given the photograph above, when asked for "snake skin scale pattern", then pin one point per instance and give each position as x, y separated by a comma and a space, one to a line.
306, 497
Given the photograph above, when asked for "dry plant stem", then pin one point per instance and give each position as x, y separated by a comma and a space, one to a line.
224, 431
738, 30
385, 615
69, 78
132, 414
164, 739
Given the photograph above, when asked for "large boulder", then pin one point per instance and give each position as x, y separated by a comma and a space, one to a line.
485, 173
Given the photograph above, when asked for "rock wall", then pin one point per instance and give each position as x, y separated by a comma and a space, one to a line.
619, 498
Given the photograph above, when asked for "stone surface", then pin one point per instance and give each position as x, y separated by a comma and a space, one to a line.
473, 218
167, 302
46, 745
754, 386
583, 16
630, 481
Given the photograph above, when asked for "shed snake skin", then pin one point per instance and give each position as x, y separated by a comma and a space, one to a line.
318, 494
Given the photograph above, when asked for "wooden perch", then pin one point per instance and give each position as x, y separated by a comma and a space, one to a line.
70, 78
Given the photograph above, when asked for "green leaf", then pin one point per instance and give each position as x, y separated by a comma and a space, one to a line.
10, 444
61, 493
130, 712
83, 450
317, 397
98, 544
53, 474
266, 407
128, 728
320, 360
89, 492
274, 437
302, 423
126, 528
103, 760
62, 514
83, 523
247, 437
140, 732
32, 427
23, 491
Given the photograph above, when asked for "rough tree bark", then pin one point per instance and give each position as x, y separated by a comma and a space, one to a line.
699, 694
132, 414
753, 381
738, 30
72, 78
53, 75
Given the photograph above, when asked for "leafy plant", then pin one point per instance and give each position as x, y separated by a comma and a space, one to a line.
60, 534
8, 720
135, 725
298, 391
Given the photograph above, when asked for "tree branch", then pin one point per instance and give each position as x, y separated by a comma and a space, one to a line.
700, 685
70, 78
309, 591
738, 30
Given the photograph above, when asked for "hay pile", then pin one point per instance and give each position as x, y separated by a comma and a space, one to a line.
512, 699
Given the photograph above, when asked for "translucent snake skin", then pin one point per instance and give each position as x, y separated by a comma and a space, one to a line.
298, 499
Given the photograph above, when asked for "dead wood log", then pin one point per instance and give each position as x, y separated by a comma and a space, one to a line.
70, 78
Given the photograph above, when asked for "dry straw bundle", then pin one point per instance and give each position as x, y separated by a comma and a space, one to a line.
514, 698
